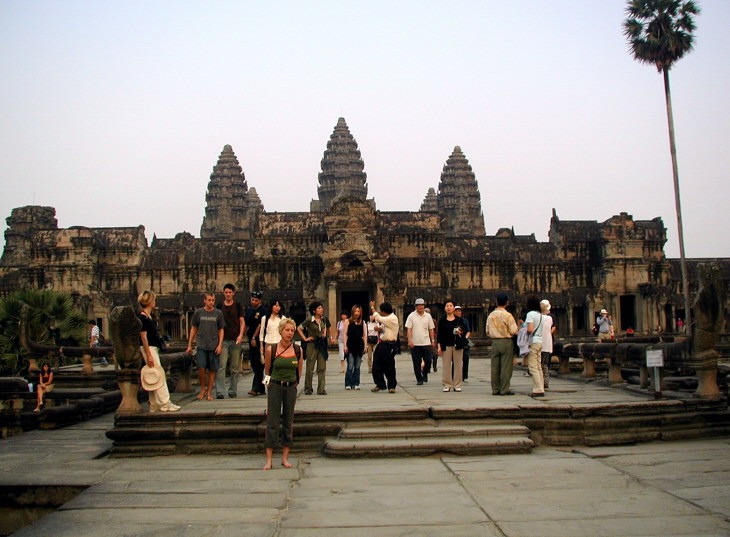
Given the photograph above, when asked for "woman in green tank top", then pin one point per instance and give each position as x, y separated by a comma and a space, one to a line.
282, 371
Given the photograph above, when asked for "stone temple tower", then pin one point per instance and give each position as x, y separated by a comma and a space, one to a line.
231, 209
342, 174
458, 199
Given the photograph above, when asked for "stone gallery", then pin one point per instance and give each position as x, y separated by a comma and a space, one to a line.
345, 251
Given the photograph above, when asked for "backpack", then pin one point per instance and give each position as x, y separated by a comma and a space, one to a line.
523, 340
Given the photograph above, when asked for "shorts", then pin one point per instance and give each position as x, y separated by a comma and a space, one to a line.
207, 360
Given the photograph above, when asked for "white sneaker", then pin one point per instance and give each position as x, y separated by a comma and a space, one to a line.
348, 388
457, 389
357, 387
447, 389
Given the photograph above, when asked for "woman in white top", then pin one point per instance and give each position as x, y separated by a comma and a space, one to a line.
548, 329
269, 333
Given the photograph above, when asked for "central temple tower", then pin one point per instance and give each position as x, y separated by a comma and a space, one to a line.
342, 174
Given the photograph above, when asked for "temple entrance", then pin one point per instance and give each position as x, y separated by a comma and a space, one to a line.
628, 311
351, 297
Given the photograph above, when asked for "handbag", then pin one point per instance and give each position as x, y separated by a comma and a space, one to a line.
373, 340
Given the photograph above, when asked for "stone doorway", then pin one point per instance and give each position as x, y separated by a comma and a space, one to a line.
351, 297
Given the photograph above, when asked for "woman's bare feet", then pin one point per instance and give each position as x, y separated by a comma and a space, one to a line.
201, 395
267, 466
285, 463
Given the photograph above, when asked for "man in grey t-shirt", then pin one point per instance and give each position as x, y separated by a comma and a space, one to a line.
207, 331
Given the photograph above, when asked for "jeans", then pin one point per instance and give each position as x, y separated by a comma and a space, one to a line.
352, 375
234, 351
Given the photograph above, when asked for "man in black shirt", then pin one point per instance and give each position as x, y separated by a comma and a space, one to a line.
253, 316
233, 331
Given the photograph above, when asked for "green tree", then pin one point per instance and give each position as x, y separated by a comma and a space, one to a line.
52, 318
659, 32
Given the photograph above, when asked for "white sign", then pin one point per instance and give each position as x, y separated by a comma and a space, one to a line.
655, 358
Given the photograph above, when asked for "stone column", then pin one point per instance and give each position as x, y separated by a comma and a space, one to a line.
332, 312
124, 329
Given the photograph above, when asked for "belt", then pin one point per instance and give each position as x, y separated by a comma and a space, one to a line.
282, 383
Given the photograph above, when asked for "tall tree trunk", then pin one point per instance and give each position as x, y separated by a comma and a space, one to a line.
678, 205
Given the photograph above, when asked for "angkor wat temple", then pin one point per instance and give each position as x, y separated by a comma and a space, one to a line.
345, 251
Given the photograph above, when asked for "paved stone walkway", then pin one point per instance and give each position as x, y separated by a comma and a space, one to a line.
664, 488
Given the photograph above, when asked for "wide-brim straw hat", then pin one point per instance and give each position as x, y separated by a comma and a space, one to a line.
152, 377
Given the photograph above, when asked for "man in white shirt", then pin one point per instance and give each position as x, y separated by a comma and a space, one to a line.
421, 338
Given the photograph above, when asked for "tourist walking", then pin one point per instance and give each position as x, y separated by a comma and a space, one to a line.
254, 313
355, 341
282, 370
315, 330
45, 385
340, 337
534, 321
206, 331
421, 339
450, 330
149, 346
95, 339
384, 355
233, 331
501, 328
546, 352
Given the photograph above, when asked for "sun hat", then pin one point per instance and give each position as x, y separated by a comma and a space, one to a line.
420, 301
603, 311
152, 377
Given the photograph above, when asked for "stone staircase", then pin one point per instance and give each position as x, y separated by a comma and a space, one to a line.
423, 440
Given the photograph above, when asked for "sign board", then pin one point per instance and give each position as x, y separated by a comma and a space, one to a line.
655, 358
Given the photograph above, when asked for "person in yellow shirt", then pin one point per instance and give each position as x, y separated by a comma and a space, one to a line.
501, 326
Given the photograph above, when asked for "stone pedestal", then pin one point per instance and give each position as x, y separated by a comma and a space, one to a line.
86, 365
184, 384
614, 372
129, 404
589, 368
564, 368
707, 384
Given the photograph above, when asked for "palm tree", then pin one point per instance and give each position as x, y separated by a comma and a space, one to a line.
660, 33
52, 319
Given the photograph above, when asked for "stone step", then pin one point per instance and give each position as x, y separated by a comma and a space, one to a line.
410, 440
352, 433
424, 446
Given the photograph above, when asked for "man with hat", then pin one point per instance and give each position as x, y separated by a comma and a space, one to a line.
253, 316
605, 325
421, 339
501, 326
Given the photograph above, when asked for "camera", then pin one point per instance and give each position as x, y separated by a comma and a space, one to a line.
457, 331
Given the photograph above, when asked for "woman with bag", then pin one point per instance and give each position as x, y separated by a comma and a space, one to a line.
282, 371
451, 342
534, 321
149, 344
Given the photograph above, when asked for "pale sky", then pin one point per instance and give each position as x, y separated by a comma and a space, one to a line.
115, 112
